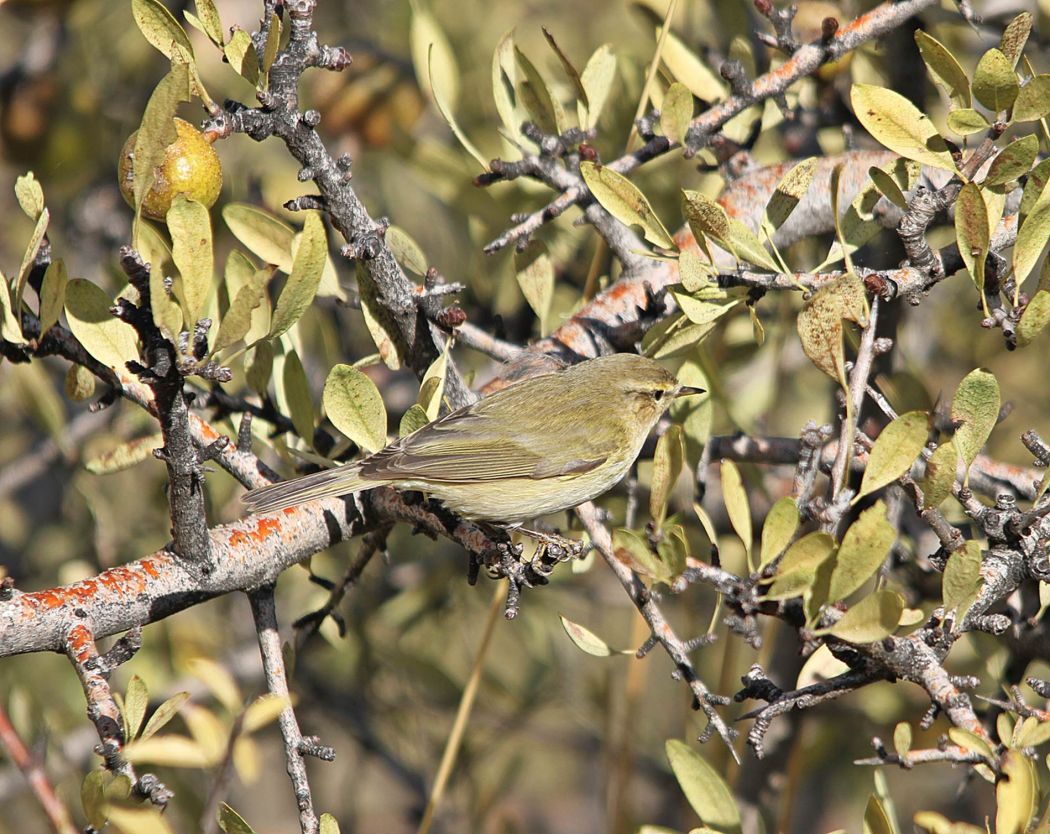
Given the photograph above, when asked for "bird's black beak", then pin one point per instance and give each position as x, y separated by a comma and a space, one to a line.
688, 391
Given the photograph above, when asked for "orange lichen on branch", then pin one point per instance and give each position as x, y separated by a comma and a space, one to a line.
80, 643
263, 529
116, 583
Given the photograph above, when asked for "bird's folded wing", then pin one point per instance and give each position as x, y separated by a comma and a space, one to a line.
471, 450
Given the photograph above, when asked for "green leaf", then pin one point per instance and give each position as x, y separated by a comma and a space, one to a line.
676, 112
667, 466
585, 640
445, 109
1032, 237
28, 259
273, 43
702, 312
888, 187
798, 568
694, 273
819, 323
432, 55
241, 55
110, 341
381, 326
79, 382
125, 456
167, 314
902, 739
135, 702
1015, 794
191, 249
1015, 36
10, 320
966, 122
863, 550
534, 271
535, 95
706, 218
329, 825
962, 579
413, 420
264, 710
686, 66
157, 130
297, 393
355, 407
163, 714
975, 408
30, 195
735, 497
211, 23
1033, 100
567, 66
597, 80
1034, 319
504, 85
705, 789
52, 294
432, 386
233, 823
634, 550
169, 751
994, 83
789, 192
874, 617
944, 69
301, 287
941, 470
859, 225
876, 820
748, 247
162, 30
93, 797
624, 201
405, 250
895, 450
258, 366
971, 229
896, 123
262, 233
1013, 161
239, 316
779, 528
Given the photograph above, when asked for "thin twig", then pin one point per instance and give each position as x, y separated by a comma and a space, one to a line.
466, 704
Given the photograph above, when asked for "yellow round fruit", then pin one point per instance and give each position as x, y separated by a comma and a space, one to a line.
190, 167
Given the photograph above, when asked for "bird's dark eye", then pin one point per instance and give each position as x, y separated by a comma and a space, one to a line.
658, 394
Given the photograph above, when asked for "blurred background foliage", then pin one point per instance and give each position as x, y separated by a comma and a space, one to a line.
559, 742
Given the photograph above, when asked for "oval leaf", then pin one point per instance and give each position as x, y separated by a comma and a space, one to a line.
110, 341
895, 450
355, 407
585, 640
863, 550
778, 529
305, 277
874, 617
624, 201
898, 124
975, 409
706, 791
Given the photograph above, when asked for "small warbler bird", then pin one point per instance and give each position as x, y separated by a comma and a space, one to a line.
539, 446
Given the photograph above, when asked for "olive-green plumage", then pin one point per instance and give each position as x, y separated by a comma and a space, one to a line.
539, 446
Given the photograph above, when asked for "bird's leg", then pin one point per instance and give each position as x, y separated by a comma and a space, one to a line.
551, 549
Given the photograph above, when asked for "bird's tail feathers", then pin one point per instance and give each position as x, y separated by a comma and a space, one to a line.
342, 480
